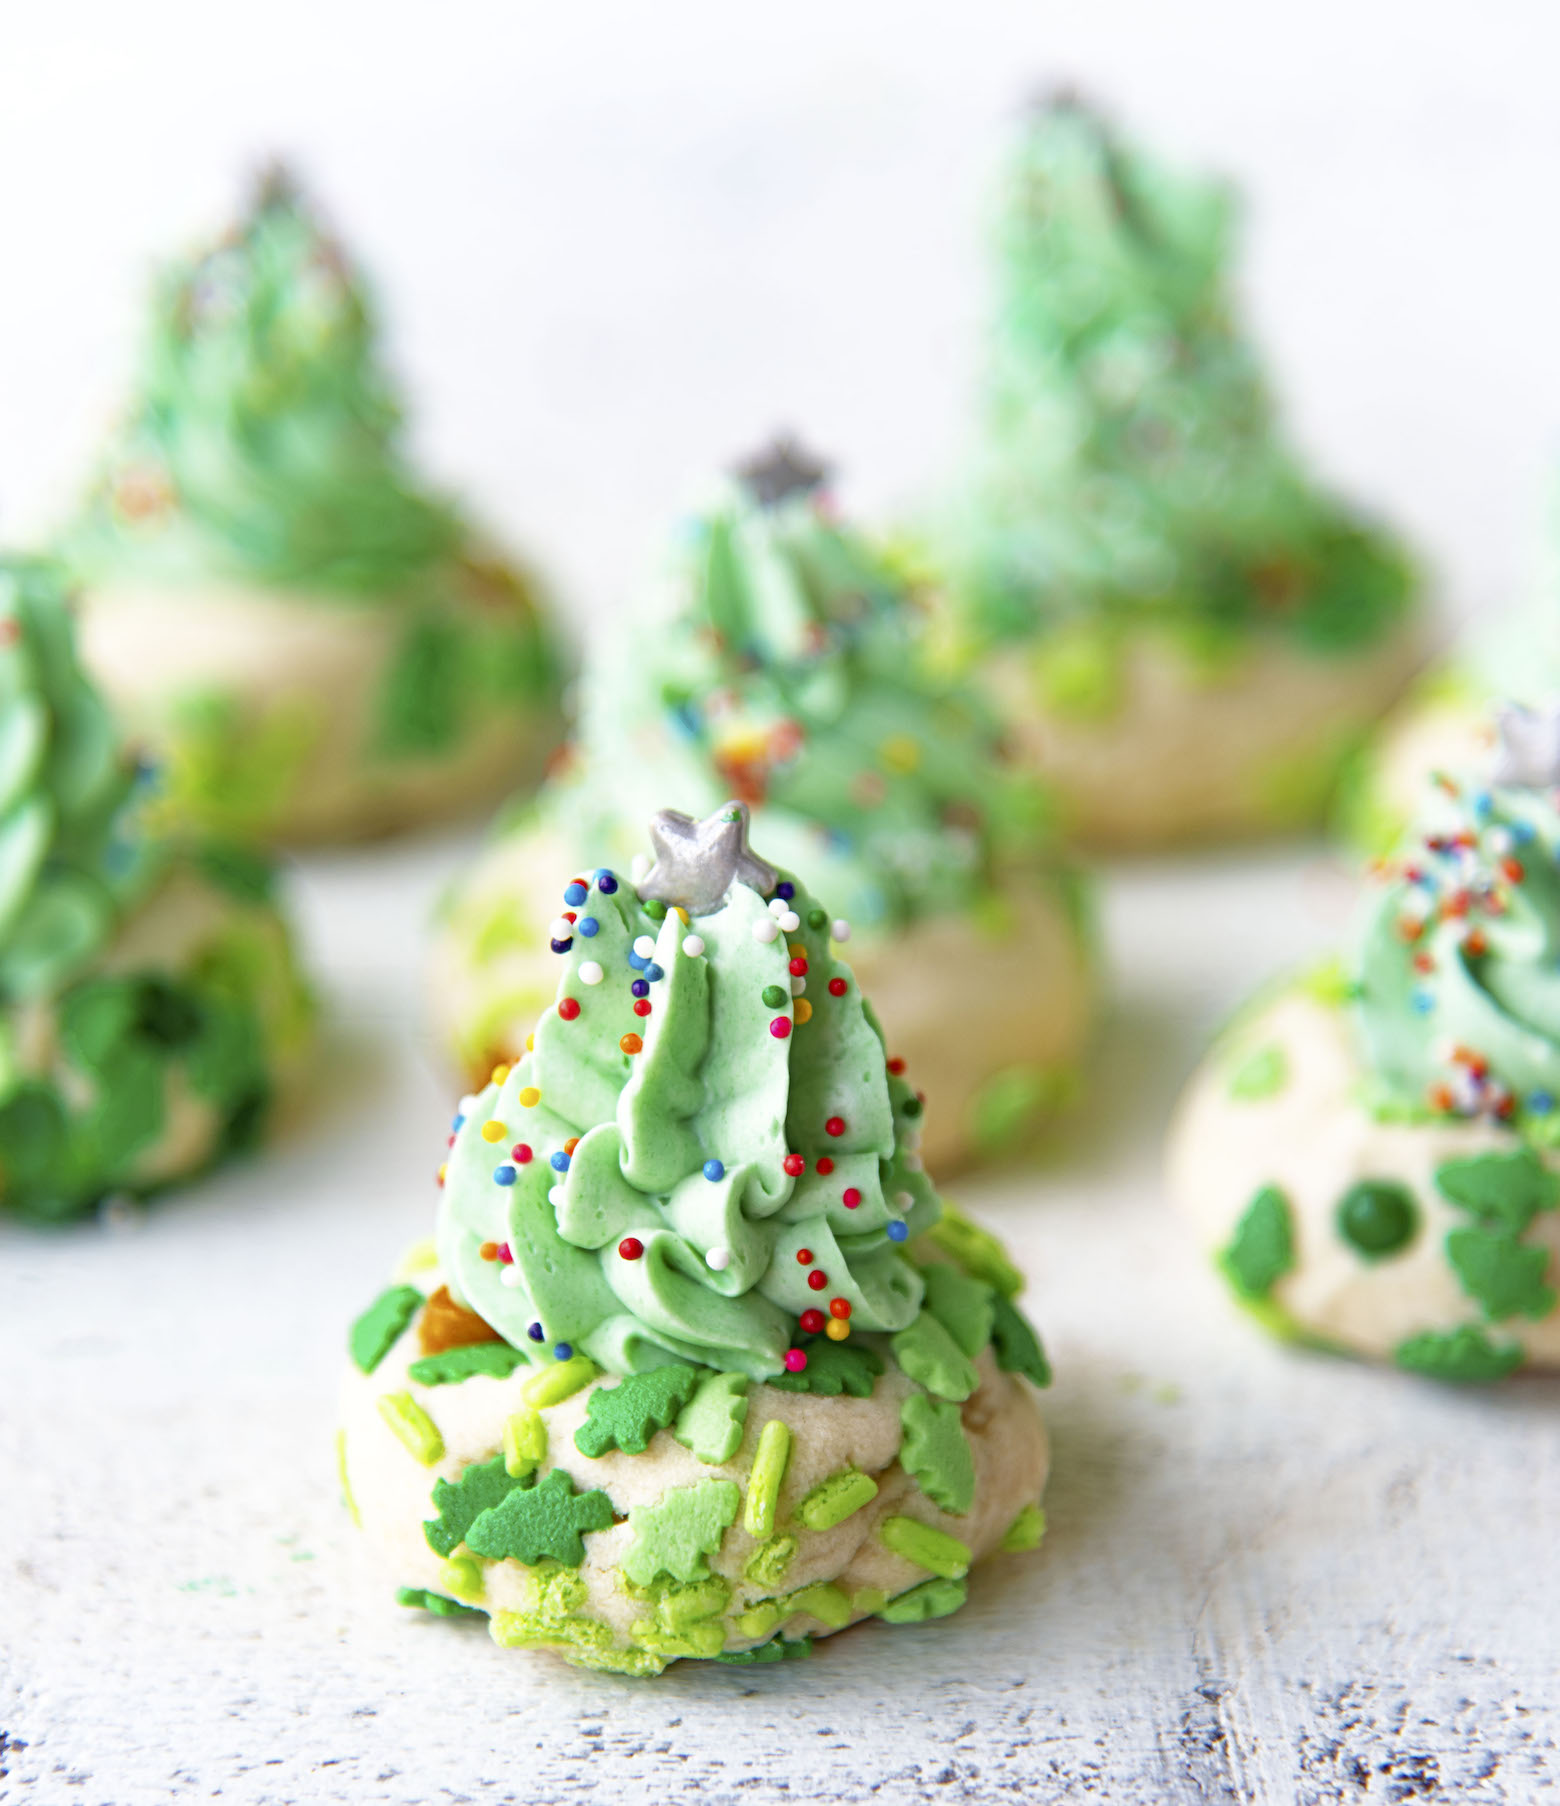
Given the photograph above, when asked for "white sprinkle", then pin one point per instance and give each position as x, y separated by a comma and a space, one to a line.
644, 946
765, 930
798, 985
693, 946
639, 869
839, 929
911, 1162
555, 1195
1443, 1050
779, 906
790, 921
510, 1276
903, 1200
467, 1104
560, 929
718, 1259
590, 973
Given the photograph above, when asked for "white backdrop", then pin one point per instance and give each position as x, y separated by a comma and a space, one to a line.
618, 242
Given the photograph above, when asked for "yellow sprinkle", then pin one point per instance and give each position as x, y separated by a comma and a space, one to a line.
530, 1044
1025, 1531
500, 1073
413, 1426
899, 753
802, 1010
495, 1130
525, 1443
682, 914
560, 1381
821, 1601
419, 1257
836, 1329
462, 1576
530, 1096
346, 1483
769, 1465
760, 1619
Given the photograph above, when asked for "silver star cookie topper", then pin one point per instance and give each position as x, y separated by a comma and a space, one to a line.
1528, 754
781, 470
697, 862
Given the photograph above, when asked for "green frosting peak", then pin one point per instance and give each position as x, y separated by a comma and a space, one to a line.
686, 1182
264, 439
1130, 469
780, 659
1458, 974
65, 859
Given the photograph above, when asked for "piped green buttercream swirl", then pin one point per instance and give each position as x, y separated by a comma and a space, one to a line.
264, 443
1458, 971
674, 1230
779, 659
1129, 469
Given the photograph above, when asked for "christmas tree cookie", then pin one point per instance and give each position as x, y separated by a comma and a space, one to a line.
1370, 1153
778, 660
150, 1012
1187, 633
314, 646
698, 1365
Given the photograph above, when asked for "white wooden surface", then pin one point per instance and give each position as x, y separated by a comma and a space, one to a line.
1269, 1577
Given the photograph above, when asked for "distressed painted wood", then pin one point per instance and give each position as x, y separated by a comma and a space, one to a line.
1269, 1577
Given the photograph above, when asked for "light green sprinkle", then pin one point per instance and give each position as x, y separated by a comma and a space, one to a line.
759, 1620
412, 1424
767, 1564
928, 1548
346, 1484
833, 1500
525, 1443
1025, 1531
769, 1465
462, 1576
822, 1601
710, 1424
1260, 1075
552, 1385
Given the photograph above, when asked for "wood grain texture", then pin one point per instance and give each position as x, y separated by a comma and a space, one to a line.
1269, 1577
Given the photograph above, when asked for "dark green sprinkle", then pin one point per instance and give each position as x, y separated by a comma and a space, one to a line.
817, 918
380, 1327
910, 1107
1262, 1249
774, 996
655, 909
1378, 1217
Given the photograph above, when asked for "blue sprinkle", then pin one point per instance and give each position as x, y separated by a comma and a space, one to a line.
640, 987
564, 1351
537, 1333
1522, 832
575, 894
713, 1170
1423, 1002
785, 889
588, 926
455, 1126
687, 718
605, 883
503, 1175
898, 1232
1482, 803
653, 972
637, 960
561, 946
560, 1162
1540, 1103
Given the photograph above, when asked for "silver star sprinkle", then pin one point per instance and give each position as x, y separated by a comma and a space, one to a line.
1528, 756
697, 862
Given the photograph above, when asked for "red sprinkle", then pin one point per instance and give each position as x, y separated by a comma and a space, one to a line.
631, 1247
837, 987
795, 1360
794, 1164
520, 1152
835, 1125
780, 1027
641, 1006
506, 1254
1512, 869
817, 1279
825, 1164
568, 1008
839, 1307
569, 915
852, 1197
804, 1257
798, 968
896, 1066
811, 1321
